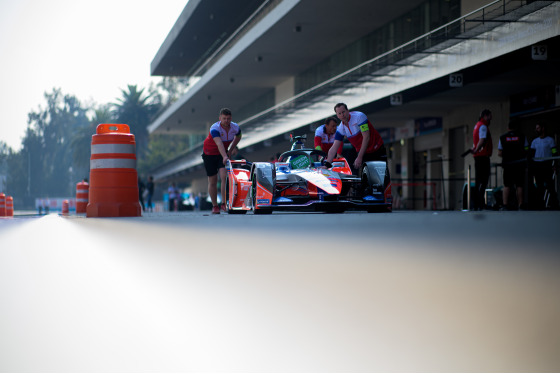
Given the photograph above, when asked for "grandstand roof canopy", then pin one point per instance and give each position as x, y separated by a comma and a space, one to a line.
305, 33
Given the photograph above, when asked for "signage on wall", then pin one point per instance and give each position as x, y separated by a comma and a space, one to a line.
423, 126
396, 99
387, 134
533, 101
456, 80
417, 127
539, 52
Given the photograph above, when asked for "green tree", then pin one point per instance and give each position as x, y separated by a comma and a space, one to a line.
5, 152
162, 148
169, 90
26, 170
14, 166
137, 110
56, 146
47, 144
81, 140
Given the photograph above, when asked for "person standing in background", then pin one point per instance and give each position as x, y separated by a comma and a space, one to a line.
141, 188
512, 148
172, 195
150, 188
544, 149
482, 151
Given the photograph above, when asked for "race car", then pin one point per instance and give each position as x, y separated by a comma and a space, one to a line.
301, 180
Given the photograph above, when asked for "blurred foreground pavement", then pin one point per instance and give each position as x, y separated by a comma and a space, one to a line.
404, 292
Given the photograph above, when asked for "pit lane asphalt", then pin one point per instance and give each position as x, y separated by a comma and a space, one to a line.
407, 291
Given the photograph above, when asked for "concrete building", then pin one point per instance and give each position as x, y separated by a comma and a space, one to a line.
422, 70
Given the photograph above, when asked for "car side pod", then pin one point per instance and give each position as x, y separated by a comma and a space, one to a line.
238, 184
113, 189
263, 180
375, 176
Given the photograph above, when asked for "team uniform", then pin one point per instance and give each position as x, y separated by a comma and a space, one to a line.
481, 132
357, 124
481, 161
210, 153
323, 141
513, 146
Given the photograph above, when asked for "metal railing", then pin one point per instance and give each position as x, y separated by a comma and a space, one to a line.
466, 27
214, 54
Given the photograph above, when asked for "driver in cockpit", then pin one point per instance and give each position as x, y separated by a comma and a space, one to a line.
324, 136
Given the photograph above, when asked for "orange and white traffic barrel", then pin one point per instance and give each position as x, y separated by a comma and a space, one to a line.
2, 204
82, 191
113, 188
65, 207
9, 206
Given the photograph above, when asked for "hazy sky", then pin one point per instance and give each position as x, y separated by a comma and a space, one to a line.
87, 48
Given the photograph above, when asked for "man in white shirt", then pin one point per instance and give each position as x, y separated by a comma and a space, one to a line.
545, 149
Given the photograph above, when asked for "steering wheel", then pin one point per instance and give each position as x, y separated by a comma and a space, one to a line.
325, 163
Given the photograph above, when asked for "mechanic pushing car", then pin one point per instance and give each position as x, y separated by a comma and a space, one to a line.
360, 133
223, 137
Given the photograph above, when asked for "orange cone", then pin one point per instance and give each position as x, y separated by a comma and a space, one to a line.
113, 189
82, 190
9, 206
65, 205
2, 204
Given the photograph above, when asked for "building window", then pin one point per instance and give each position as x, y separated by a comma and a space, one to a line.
428, 16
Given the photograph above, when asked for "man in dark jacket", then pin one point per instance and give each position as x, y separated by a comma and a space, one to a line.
512, 149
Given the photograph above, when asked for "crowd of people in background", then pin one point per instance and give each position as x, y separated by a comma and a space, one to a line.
524, 165
174, 198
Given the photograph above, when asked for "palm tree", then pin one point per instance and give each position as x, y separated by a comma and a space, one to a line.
81, 141
136, 110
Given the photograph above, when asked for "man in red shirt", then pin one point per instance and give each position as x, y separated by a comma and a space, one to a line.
360, 133
223, 137
324, 135
482, 150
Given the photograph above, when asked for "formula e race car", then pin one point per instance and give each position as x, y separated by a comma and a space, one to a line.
302, 180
